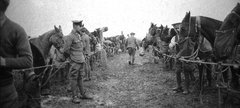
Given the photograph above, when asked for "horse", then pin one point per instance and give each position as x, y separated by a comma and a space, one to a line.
196, 32
152, 38
166, 36
226, 49
29, 93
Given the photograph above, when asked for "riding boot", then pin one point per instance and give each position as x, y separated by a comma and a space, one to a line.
130, 59
187, 81
191, 75
178, 76
75, 98
133, 59
81, 89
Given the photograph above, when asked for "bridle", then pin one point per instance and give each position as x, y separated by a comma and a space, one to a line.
235, 13
56, 40
194, 54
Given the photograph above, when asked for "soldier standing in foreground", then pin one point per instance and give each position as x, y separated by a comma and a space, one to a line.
15, 53
75, 46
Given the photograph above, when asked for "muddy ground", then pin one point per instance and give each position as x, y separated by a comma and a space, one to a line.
143, 85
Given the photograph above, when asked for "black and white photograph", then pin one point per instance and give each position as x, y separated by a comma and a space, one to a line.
119, 53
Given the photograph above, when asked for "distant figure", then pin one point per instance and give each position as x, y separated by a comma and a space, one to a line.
131, 45
15, 53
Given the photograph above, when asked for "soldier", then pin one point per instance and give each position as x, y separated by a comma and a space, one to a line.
75, 46
15, 53
186, 68
131, 45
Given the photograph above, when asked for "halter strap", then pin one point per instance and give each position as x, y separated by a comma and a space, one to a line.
236, 14
189, 27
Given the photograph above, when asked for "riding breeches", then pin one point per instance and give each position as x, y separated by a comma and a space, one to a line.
75, 77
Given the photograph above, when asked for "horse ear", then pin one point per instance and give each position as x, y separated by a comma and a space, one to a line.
60, 28
56, 29
186, 18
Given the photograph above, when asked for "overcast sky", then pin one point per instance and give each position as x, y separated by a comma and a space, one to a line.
39, 16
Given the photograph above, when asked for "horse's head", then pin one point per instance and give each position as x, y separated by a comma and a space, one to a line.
232, 20
187, 27
164, 33
187, 35
152, 30
57, 38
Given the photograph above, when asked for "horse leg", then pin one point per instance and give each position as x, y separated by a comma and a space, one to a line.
186, 71
209, 76
191, 74
200, 72
235, 79
45, 90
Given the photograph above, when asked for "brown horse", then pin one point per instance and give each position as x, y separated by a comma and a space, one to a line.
29, 93
153, 38
166, 36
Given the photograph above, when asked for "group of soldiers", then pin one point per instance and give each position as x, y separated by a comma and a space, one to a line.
15, 53
77, 51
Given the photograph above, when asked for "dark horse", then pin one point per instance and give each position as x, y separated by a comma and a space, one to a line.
29, 93
166, 36
226, 49
196, 32
152, 37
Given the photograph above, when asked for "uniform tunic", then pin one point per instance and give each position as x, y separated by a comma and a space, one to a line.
131, 45
131, 42
15, 50
15, 53
74, 45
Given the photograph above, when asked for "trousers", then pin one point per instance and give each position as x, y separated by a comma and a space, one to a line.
8, 97
75, 77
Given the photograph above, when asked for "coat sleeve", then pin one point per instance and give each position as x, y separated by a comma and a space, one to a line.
87, 45
126, 43
136, 43
24, 57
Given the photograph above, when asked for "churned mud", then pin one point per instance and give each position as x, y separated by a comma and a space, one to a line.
143, 85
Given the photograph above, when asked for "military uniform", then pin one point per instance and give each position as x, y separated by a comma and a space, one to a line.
74, 44
131, 45
15, 53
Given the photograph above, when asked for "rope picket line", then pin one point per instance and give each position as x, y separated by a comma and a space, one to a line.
39, 67
30, 69
51, 75
197, 61
220, 84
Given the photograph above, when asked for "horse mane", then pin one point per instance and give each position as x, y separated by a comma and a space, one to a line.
49, 33
228, 23
210, 25
237, 8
